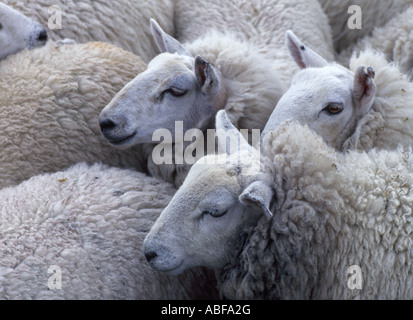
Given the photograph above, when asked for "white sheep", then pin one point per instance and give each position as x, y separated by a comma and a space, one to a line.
215, 203
18, 32
190, 83
50, 100
78, 234
123, 22
342, 13
394, 39
331, 211
368, 106
261, 22
239, 75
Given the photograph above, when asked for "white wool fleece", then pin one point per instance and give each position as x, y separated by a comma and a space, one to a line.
50, 101
333, 211
124, 23
90, 221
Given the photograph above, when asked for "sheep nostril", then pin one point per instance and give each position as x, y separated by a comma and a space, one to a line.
42, 36
106, 125
150, 255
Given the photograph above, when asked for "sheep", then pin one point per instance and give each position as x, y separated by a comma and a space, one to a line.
342, 13
295, 228
122, 23
77, 234
216, 55
261, 22
190, 83
18, 32
394, 39
366, 107
49, 103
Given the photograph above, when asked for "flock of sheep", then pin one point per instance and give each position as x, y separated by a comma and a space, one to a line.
328, 189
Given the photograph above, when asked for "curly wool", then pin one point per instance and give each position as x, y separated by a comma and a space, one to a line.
91, 222
50, 101
251, 86
332, 211
124, 23
389, 123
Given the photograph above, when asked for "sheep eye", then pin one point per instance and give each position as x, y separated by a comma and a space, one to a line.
215, 213
176, 92
334, 108
1, 26
173, 91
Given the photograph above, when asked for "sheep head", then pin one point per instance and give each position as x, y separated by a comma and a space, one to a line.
18, 32
222, 196
175, 87
327, 97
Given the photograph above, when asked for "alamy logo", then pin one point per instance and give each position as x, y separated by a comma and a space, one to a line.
190, 146
55, 19
55, 281
355, 21
355, 281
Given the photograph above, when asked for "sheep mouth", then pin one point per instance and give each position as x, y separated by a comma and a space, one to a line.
124, 140
175, 270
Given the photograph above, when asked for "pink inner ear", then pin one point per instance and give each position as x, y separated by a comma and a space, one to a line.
201, 74
296, 54
295, 51
200, 71
365, 82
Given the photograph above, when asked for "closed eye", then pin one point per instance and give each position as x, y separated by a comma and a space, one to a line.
175, 92
333, 108
214, 213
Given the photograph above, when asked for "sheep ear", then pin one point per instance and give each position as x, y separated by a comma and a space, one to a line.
364, 88
206, 76
165, 42
258, 195
225, 130
303, 56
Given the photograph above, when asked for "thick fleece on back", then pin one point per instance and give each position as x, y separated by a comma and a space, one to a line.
50, 101
332, 211
91, 222
124, 23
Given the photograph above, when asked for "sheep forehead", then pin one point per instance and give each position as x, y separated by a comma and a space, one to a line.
210, 173
169, 63
322, 83
161, 72
235, 171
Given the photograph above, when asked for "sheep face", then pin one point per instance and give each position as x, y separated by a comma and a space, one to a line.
18, 32
198, 225
326, 97
203, 224
175, 87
